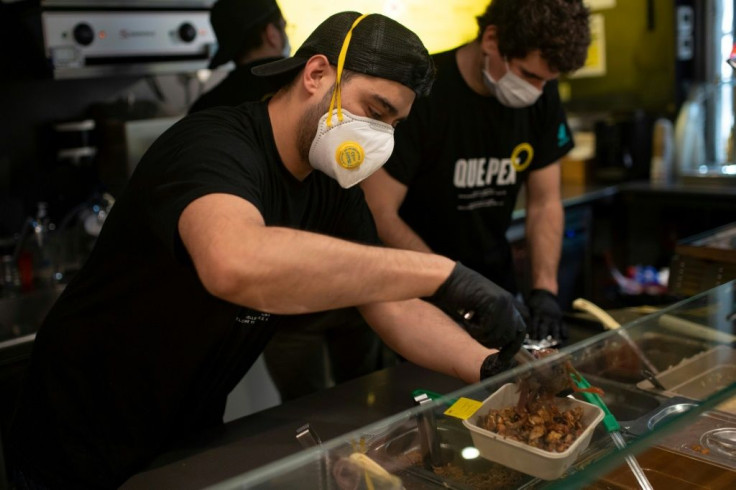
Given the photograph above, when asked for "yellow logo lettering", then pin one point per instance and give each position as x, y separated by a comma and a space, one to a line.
350, 155
522, 148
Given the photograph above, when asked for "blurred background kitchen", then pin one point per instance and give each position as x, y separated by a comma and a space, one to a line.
649, 190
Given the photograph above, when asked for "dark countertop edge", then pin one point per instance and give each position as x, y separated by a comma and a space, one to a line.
572, 195
679, 188
576, 194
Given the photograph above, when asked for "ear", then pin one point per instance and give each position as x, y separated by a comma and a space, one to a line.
272, 36
489, 40
317, 74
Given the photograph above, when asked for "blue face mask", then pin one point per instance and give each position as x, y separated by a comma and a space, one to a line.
511, 90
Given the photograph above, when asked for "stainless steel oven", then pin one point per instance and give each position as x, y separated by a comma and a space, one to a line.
98, 38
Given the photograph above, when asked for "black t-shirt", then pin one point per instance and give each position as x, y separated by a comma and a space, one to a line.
455, 154
136, 352
239, 86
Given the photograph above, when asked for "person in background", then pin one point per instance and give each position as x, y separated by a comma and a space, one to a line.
224, 234
493, 122
249, 33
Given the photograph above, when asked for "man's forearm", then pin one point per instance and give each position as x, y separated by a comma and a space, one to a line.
384, 196
544, 225
282, 270
395, 232
289, 271
427, 337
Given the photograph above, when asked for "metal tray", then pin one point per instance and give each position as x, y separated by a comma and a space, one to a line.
711, 437
400, 452
616, 360
699, 376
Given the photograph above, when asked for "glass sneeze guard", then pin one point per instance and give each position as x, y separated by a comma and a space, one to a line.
690, 345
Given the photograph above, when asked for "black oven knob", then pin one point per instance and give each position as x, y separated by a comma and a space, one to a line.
187, 32
84, 34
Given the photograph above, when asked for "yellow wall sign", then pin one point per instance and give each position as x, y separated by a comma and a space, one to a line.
595, 64
440, 24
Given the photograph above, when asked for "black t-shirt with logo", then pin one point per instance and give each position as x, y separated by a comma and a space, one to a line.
463, 157
136, 352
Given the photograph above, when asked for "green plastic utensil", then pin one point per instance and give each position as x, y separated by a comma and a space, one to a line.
612, 426
432, 395
609, 421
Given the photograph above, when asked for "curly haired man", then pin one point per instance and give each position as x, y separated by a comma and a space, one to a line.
492, 122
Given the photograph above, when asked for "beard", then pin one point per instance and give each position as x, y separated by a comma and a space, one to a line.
308, 125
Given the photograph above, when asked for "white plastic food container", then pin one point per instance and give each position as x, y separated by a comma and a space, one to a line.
519, 456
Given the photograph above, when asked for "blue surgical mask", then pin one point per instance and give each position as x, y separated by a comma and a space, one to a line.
511, 90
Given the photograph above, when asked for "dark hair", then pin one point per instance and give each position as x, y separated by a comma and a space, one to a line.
558, 28
253, 38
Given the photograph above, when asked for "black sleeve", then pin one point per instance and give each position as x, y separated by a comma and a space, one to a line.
195, 158
555, 137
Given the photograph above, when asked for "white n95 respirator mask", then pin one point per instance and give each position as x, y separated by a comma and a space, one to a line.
351, 149
511, 90
347, 147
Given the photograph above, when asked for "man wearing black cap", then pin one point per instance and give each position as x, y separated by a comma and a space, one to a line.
330, 348
249, 33
224, 234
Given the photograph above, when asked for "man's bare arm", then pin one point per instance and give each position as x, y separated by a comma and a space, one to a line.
384, 196
282, 270
427, 337
544, 225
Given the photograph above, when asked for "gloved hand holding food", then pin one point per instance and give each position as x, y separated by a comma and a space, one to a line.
485, 310
545, 316
493, 365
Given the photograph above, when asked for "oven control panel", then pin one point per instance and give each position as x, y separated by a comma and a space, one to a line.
75, 39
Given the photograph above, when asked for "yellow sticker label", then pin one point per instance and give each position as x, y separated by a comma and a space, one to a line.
350, 155
463, 408
522, 148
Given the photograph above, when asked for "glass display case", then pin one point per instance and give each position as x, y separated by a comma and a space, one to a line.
668, 379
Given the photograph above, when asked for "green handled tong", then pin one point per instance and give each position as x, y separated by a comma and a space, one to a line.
609, 421
612, 426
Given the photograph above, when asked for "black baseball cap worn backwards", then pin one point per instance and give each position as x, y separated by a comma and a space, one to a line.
380, 47
231, 20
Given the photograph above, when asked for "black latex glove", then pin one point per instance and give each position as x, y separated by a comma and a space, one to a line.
493, 365
485, 310
545, 316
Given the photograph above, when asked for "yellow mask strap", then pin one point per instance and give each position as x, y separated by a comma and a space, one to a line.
336, 93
